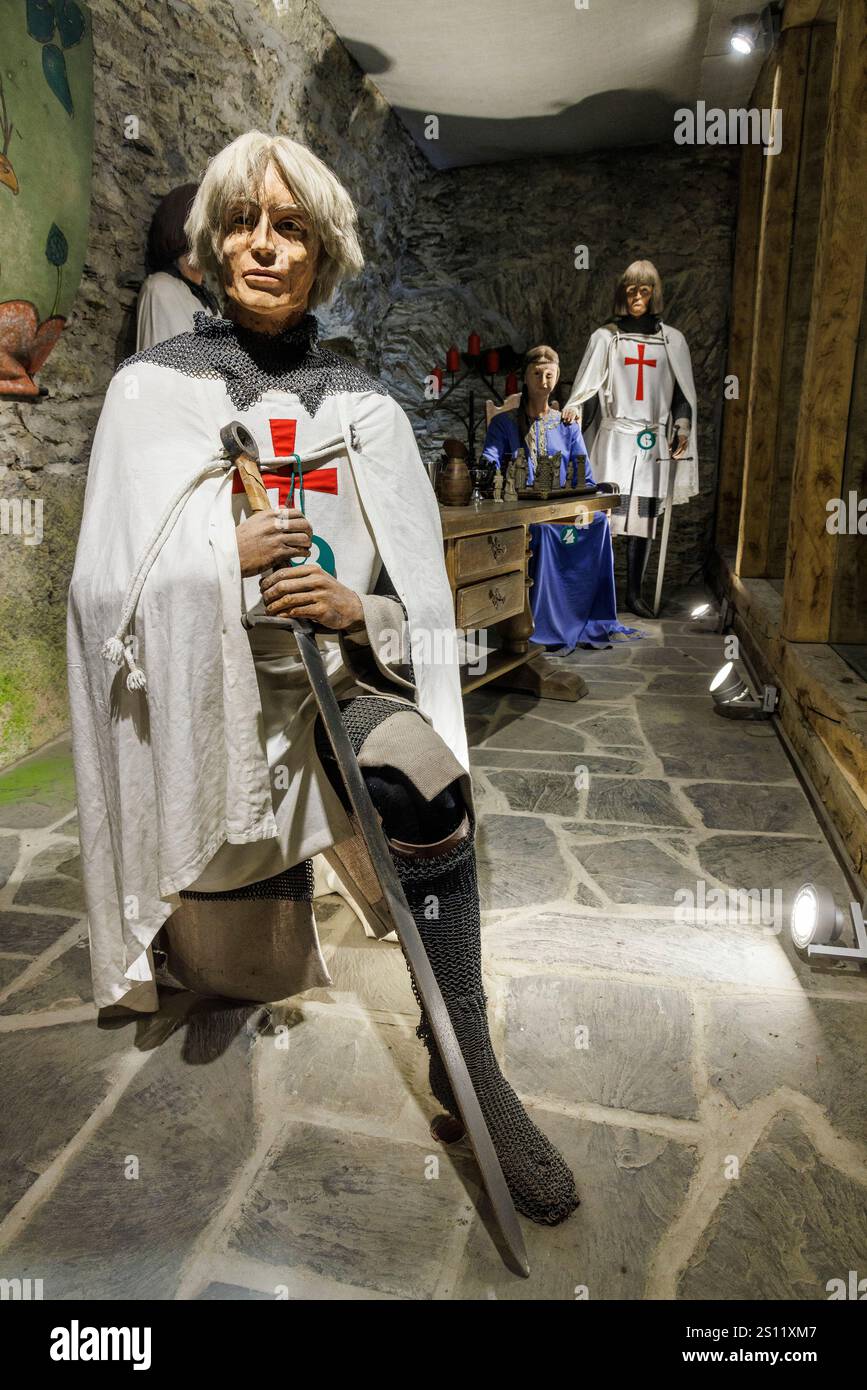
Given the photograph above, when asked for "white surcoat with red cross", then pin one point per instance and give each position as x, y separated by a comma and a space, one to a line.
634, 375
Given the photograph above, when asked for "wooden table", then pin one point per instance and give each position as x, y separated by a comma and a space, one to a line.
487, 551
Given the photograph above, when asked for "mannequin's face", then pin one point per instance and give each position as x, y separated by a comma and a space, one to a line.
270, 255
541, 378
638, 299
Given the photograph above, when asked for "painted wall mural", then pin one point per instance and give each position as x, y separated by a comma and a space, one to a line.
46, 125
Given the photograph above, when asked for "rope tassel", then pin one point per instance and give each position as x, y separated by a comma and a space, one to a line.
136, 680
112, 650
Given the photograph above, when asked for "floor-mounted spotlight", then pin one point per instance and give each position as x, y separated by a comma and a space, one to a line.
702, 618
817, 922
732, 698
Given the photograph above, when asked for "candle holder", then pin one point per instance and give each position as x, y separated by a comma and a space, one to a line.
485, 364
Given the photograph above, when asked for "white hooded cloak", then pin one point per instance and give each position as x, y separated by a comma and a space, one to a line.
168, 774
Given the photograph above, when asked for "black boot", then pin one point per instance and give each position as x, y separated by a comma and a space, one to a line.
537, 1176
637, 556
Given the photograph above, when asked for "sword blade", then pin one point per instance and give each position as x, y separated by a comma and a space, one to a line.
666, 527
408, 935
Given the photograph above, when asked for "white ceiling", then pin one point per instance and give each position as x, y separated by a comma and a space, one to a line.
512, 78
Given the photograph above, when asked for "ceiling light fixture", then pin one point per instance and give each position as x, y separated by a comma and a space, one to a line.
756, 31
743, 36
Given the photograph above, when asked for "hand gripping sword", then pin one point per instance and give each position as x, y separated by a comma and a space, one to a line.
240, 447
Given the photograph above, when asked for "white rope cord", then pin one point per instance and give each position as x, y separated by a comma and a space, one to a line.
118, 647
331, 448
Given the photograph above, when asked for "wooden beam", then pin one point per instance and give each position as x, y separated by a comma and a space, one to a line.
798, 12
835, 313
769, 323
820, 708
731, 462
849, 606
802, 260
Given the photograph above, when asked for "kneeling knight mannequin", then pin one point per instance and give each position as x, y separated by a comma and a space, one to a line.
204, 776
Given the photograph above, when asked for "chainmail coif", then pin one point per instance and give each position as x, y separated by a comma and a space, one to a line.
541, 1184
252, 363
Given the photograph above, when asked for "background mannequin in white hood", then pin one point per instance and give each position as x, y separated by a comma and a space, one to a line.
173, 291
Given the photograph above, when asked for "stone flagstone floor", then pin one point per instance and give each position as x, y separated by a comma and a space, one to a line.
706, 1084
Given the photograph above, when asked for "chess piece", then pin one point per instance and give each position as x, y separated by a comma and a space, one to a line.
520, 471
544, 475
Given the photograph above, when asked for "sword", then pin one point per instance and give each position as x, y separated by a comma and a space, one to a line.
241, 447
666, 527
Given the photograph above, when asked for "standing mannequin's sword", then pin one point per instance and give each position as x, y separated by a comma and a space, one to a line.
241, 447
666, 527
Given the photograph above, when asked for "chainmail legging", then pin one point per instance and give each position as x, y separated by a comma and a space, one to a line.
443, 897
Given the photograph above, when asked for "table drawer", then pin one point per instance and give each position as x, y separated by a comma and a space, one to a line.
479, 605
492, 551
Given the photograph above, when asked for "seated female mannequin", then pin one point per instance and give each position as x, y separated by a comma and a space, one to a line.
572, 567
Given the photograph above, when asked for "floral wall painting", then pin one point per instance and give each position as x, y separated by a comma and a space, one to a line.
46, 129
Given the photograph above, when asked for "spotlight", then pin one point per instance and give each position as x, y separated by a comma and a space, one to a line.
817, 922
727, 685
732, 698
815, 917
745, 33
703, 618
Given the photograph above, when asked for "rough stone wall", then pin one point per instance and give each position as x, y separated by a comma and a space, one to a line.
490, 248
493, 249
195, 74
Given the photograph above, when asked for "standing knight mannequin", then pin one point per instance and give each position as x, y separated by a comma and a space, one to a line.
638, 370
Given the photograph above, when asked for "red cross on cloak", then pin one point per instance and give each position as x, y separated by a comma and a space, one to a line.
640, 362
283, 440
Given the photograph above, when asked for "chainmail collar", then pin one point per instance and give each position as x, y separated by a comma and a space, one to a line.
252, 363
275, 349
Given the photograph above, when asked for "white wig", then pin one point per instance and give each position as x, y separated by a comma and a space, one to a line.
235, 176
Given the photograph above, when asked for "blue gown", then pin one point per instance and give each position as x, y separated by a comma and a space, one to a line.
572, 597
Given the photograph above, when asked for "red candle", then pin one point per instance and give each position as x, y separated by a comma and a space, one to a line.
437, 375
511, 384
492, 362
474, 344
453, 359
